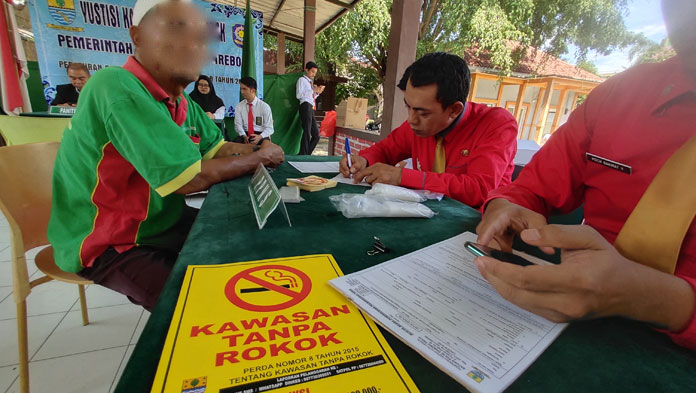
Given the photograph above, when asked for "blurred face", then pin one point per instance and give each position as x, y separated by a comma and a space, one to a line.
203, 86
172, 42
312, 72
426, 115
248, 93
679, 19
78, 78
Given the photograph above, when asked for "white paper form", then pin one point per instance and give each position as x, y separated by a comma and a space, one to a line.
315, 167
436, 301
347, 180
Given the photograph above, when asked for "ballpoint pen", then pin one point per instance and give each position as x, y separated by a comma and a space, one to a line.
348, 155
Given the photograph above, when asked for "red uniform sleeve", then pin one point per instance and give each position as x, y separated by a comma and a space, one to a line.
553, 179
488, 166
394, 148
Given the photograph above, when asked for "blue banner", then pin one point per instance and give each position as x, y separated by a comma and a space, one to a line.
96, 34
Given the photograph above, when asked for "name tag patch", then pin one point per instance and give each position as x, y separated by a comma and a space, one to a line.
609, 163
259, 120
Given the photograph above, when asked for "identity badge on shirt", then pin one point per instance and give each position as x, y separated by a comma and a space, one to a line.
258, 120
609, 163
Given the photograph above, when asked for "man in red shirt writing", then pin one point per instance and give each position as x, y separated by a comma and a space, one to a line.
461, 149
628, 154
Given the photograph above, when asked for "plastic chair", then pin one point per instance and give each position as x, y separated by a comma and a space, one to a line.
19, 130
25, 200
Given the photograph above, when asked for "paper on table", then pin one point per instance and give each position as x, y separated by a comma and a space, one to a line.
347, 180
436, 301
315, 167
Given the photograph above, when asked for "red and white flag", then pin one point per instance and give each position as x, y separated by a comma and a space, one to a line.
13, 65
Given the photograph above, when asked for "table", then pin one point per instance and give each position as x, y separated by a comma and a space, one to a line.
608, 354
45, 114
219, 122
32, 127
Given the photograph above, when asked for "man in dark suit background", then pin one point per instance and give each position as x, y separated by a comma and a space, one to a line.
66, 95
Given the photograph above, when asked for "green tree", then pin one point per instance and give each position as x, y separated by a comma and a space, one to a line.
355, 46
490, 25
587, 66
361, 36
549, 25
647, 51
293, 50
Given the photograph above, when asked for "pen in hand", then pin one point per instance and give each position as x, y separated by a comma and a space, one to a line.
350, 175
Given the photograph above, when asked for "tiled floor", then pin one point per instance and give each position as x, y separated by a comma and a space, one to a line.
66, 357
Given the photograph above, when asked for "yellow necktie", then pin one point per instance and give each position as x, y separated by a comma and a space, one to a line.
655, 229
439, 162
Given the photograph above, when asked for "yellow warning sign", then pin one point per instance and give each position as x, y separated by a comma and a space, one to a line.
273, 326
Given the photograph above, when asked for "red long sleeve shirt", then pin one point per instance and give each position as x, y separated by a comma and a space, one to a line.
479, 154
638, 118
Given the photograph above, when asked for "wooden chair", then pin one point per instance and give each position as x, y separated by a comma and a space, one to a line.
25, 200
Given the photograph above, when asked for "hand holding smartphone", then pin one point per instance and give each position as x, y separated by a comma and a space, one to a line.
480, 250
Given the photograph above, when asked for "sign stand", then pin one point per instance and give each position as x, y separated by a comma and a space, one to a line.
62, 110
265, 196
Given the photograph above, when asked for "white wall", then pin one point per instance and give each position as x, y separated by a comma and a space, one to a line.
568, 106
486, 88
509, 94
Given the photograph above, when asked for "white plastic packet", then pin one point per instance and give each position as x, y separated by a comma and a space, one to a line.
360, 205
431, 195
403, 193
395, 192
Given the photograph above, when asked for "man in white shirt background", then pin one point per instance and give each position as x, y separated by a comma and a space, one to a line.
253, 119
307, 94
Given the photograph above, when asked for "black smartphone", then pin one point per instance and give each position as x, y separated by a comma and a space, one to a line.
481, 250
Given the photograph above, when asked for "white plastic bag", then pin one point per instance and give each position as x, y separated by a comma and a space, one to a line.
395, 192
402, 193
360, 205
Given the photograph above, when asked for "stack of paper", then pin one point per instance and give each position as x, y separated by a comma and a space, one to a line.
315, 167
436, 301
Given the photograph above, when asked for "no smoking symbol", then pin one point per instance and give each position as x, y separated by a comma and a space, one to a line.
268, 288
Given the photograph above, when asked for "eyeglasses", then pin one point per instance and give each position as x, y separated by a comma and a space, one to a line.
203, 85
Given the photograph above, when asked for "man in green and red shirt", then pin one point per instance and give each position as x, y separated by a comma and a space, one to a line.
135, 147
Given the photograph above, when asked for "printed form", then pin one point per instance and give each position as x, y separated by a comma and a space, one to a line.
437, 302
348, 180
315, 167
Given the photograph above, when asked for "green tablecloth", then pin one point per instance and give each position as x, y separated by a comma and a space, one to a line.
603, 355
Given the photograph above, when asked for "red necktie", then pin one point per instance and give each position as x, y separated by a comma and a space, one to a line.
250, 120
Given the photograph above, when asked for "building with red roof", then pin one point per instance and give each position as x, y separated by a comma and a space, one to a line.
540, 92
